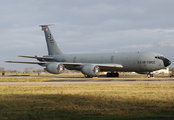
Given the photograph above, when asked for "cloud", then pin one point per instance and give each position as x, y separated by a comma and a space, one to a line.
140, 46
169, 43
86, 26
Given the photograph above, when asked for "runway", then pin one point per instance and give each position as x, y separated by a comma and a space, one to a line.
100, 80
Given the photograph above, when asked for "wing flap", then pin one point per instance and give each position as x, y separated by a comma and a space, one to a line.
110, 65
100, 65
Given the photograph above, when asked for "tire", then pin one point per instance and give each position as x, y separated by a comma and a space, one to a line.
112, 75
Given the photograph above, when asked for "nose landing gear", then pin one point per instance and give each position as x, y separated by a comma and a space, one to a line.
150, 75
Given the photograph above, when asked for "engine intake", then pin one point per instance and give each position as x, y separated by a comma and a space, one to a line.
90, 70
55, 68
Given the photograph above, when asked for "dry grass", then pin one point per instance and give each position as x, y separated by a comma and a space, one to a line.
30, 79
46, 74
86, 101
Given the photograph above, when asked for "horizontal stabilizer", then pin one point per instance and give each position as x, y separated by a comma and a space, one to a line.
46, 25
39, 63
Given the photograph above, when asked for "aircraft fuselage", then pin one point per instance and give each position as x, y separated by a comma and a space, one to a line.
132, 61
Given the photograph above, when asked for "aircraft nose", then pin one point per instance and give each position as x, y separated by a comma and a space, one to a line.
166, 62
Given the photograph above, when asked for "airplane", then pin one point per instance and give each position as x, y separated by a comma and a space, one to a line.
91, 64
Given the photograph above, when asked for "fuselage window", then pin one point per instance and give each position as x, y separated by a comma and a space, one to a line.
159, 57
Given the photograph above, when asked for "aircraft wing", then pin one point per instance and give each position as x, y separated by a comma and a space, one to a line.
102, 66
110, 65
36, 57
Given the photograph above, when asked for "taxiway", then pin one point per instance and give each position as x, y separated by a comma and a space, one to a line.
100, 80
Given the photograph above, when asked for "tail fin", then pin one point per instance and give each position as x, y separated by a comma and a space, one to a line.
52, 46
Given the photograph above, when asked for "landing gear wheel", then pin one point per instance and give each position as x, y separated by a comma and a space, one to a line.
112, 74
117, 74
87, 76
149, 75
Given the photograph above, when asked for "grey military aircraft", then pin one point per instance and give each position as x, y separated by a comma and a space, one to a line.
91, 64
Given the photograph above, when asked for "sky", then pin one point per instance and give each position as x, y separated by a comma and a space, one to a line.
85, 26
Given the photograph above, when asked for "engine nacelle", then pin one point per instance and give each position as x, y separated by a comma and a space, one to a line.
90, 70
55, 68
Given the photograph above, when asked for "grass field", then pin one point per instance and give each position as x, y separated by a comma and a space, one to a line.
99, 101
46, 74
29, 79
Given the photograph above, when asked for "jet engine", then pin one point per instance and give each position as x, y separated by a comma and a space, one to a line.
90, 70
55, 68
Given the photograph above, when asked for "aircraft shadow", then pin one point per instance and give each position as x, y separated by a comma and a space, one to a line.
68, 106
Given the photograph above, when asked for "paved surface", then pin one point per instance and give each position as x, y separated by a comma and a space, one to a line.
100, 80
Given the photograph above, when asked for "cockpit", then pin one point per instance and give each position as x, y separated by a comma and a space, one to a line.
165, 60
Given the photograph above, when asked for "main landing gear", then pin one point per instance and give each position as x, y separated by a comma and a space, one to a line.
112, 74
149, 75
87, 76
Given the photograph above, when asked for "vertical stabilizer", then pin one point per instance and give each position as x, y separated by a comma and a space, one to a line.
52, 46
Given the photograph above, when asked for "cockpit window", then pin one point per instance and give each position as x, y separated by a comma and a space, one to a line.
159, 57
162, 57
